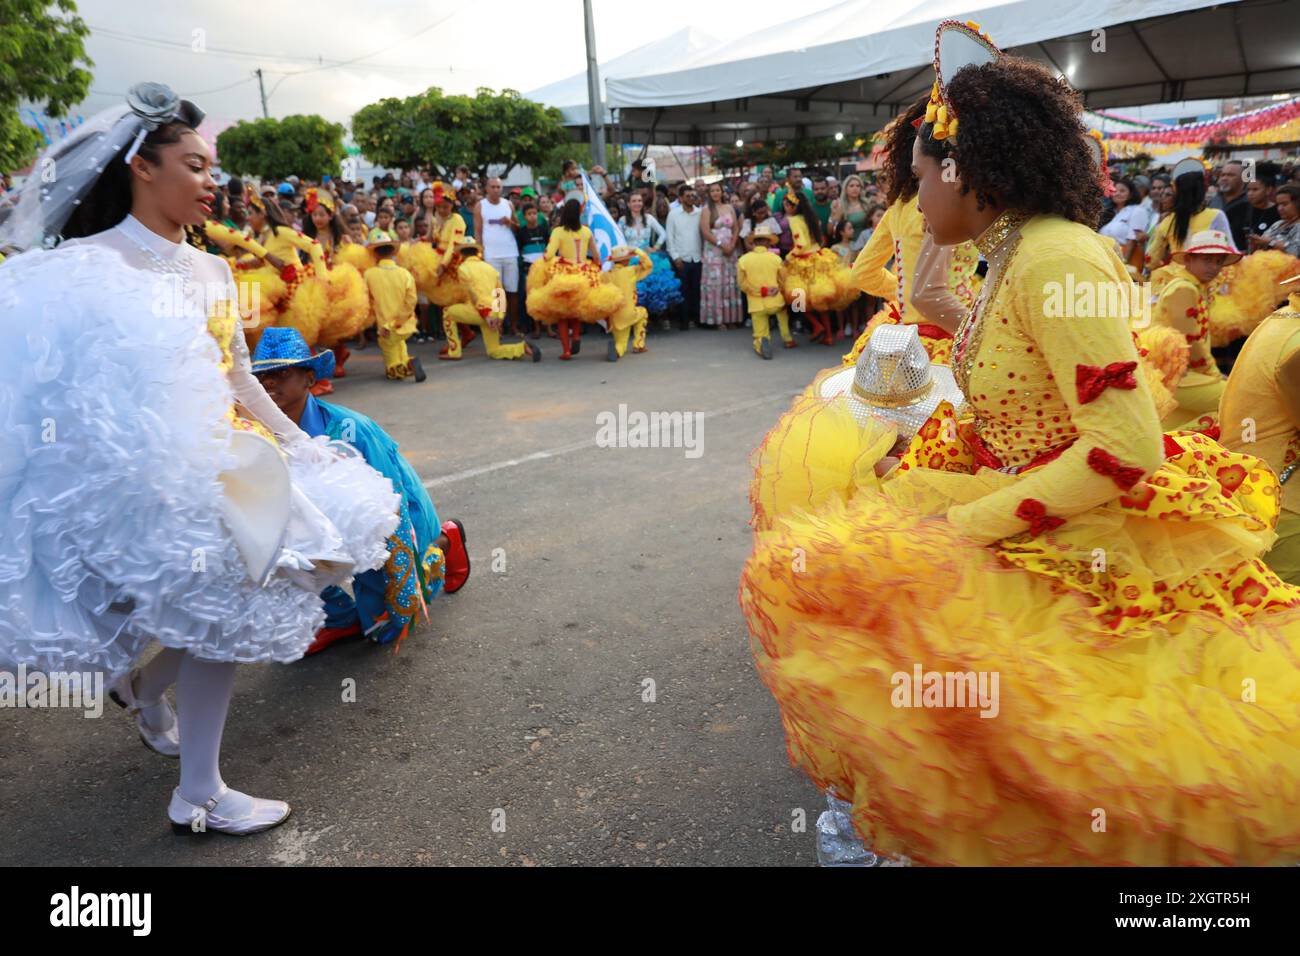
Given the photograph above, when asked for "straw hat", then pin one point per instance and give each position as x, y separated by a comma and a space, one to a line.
621, 254
1208, 242
894, 381
468, 244
766, 231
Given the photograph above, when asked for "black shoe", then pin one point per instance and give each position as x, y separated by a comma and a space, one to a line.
418, 368
576, 347
534, 351
765, 348
611, 353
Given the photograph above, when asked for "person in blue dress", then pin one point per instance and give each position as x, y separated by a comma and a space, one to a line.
425, 556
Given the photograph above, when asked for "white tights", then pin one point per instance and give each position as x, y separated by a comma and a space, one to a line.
203, 690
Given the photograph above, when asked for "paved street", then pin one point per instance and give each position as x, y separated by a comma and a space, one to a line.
525, 694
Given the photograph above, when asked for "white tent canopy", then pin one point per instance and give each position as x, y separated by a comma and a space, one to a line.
570, 94
852, 67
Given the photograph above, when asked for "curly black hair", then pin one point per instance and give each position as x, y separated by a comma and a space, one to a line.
896, 166
1020, 143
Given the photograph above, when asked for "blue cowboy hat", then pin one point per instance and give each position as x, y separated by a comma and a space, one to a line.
286, 348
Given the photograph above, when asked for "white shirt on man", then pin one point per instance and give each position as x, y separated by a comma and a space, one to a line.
685, 241
498, 240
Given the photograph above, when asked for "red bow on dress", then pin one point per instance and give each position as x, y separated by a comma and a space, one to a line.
1104, 463
1092, 380
484, 311
1035, 512
764, 291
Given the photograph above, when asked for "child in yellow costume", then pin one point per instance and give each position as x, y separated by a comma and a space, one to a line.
1182, 291
565, 287
1093, 584
484, 310
899, 237
348, 310
1259, 414
630, 320
306, 301
758, 275
813, 279
392, 300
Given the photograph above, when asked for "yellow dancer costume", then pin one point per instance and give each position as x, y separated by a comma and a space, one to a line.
392, 298
1113, 583
814, 275
1182, 304
434, 266
485, 308
566, 284
758, 275
1246, 293
1260, 415
1163, 243
260, 289
898, 237
630, 317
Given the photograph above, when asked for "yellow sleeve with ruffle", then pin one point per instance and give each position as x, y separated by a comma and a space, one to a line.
869, 272
223, 235
644, 266
1120, 422
304, 243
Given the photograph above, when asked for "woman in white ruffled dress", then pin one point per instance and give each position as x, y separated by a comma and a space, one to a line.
135, 505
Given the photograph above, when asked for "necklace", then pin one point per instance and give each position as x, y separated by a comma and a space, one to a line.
180, 263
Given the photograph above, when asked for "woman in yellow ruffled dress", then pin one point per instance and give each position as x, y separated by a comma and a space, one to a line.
1247, 293
565, 286
348, 310
1101, 580
813, 279
899, 237
306, 301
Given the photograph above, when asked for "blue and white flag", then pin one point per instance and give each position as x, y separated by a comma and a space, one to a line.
597, 218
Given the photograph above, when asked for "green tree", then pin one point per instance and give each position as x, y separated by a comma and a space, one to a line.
550, 166
445, 131
42, 60
306, 146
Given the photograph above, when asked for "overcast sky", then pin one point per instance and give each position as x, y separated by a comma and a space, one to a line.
400, 47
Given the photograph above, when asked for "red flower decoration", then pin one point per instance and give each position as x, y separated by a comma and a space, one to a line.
289, 273
1104, 463
764, 291
1142, 500
1172, 447
1092, 380
1035, 512
1231, 477
1251, 593
484, 311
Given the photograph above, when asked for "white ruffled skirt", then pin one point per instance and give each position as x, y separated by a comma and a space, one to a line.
113, 435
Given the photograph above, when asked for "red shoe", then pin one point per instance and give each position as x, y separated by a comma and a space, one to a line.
467, 335
792, 344
331, 635
639, 350
456, 572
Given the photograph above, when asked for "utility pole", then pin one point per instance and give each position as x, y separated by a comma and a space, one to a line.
595, 105
262, 88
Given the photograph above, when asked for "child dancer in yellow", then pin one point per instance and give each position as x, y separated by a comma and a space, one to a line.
1182, 304
758, 275
392, 301
630, 319
485, 308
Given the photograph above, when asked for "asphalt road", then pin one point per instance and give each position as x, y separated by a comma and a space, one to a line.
525, 693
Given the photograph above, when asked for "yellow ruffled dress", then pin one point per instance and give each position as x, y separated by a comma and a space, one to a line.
422, 260
813, 279
1103, 582
564, 284
1247, 292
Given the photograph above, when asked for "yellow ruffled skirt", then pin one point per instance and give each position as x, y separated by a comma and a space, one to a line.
422, 261
1246, 294
348, 309
1146, 709
818, 281
559, 290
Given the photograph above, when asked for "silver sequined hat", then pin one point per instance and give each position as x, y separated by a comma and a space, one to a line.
894, 381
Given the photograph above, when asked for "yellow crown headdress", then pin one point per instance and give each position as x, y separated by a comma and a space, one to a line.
957, 45
1100, 154
318, 197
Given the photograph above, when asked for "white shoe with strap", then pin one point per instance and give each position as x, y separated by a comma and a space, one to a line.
166, 742
226, 811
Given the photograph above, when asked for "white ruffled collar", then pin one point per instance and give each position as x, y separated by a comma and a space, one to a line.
145, 237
